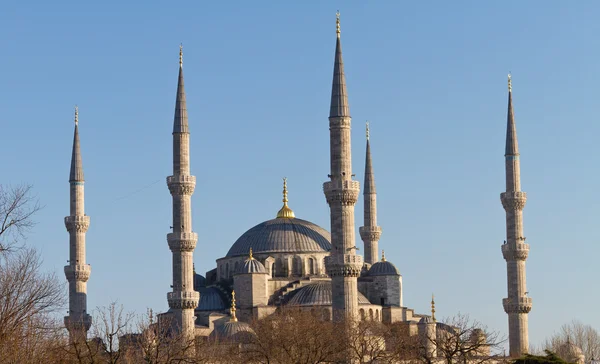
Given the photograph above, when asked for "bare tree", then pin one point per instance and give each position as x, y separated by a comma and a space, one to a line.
460, 340
27, 298
17, 206
581, 335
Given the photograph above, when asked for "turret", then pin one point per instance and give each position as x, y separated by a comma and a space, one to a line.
182, 241
343, 264
370, 232
515, 251
77, 223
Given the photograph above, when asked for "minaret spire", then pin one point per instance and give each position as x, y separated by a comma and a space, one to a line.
515, 251
370, 232
77, 272
182, 241
433, 308
343, 264
180, 124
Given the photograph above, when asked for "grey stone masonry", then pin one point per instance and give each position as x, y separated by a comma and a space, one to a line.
343, 264
77, 224
182, 241
515, 251
370, 232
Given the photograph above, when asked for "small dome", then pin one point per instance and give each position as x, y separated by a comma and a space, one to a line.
571, 353
318, 294
235, 331
251, 266
384, 268
210, 299
282, 235
426, 320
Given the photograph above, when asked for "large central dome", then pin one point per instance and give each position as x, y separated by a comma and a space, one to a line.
283, 235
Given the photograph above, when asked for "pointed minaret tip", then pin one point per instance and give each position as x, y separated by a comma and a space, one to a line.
180, 55
509, 82
76, 173
337, 23
367, 130
76, 115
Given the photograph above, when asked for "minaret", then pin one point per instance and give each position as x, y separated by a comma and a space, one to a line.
370, 232
77, 223
182, 241
343, 264
514, 250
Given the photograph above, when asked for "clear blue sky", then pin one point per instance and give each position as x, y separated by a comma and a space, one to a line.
431, 78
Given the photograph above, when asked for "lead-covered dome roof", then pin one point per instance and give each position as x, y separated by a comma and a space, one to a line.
318, 294
283, 235
235, 331
251, 266
383, 268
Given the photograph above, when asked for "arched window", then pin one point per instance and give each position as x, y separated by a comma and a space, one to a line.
311, 266
376, 315
273, 269
297, 266
371, 314
362, 314
279, 271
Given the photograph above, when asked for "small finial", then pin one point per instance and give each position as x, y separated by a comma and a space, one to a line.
509, 82
232, 309
383, 255
76, 115
285, 211
180, 55
251, 257
433, 308
367, 130
337, 23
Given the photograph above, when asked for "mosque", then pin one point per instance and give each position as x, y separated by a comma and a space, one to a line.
287, 261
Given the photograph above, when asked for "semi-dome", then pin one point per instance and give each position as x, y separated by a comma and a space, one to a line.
383, 268
235, 331
210, 299
318, 294
284, 234
251, 266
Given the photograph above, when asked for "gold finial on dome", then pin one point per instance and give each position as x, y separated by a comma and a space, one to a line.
337, 23
509, 82
180, 55
232, 309
76, 115
383, 255
250, 255
285, 212
433, 308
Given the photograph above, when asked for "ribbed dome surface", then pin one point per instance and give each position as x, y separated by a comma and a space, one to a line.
318, 294
384, 268
282, 235
251, 266
236, 331
210, 299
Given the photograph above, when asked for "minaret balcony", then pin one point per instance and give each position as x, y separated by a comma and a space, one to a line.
370, 233
78, 272
182, 241
513, 200
344, 191
346, 265
183, 300
78, 322
518, 251
520, 305
181, 184
77, 223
